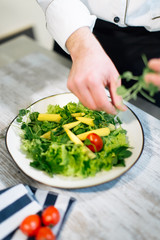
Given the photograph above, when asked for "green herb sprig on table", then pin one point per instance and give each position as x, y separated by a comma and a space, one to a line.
139, 87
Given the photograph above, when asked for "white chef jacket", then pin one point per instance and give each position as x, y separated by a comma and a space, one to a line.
63, 17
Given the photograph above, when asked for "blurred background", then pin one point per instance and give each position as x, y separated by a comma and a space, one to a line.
19, 17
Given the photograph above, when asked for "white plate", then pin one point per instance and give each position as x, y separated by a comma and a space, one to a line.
130, 122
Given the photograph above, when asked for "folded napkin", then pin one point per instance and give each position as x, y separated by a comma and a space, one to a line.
19, 201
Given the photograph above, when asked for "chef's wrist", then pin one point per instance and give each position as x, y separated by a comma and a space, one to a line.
79, 42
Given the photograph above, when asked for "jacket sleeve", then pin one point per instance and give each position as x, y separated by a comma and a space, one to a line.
63, 17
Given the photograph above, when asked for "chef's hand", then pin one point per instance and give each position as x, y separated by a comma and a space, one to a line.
92, 70
154, 77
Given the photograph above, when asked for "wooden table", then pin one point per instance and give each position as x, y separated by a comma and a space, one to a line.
125, 208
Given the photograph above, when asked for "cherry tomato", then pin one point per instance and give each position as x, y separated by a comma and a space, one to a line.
96, 142
45, 233
50, 216
30, 225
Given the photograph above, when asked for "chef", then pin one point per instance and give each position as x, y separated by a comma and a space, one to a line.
104, 38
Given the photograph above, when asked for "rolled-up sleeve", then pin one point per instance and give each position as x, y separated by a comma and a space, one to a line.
63, 17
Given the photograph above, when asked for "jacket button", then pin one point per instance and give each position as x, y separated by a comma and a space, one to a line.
116, 19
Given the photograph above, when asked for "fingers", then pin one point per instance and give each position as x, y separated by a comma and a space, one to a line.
153, 78
81, 90
93, 95
85, 97
154, 64
117, 100
101, 100
94, 98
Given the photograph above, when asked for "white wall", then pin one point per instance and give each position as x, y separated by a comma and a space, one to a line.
16, 15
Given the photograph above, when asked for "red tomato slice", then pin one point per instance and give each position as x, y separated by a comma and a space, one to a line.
96, 142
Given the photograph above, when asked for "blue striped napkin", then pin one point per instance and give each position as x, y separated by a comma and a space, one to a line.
19, 201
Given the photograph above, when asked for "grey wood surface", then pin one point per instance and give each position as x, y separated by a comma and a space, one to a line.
126, 208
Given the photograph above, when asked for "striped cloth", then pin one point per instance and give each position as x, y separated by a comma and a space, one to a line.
19, 201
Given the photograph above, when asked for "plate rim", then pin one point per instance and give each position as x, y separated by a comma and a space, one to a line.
74, 187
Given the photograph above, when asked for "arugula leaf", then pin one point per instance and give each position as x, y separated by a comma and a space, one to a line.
146, 90
87, 142
22, 112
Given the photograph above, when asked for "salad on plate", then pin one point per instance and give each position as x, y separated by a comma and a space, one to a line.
73, 140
